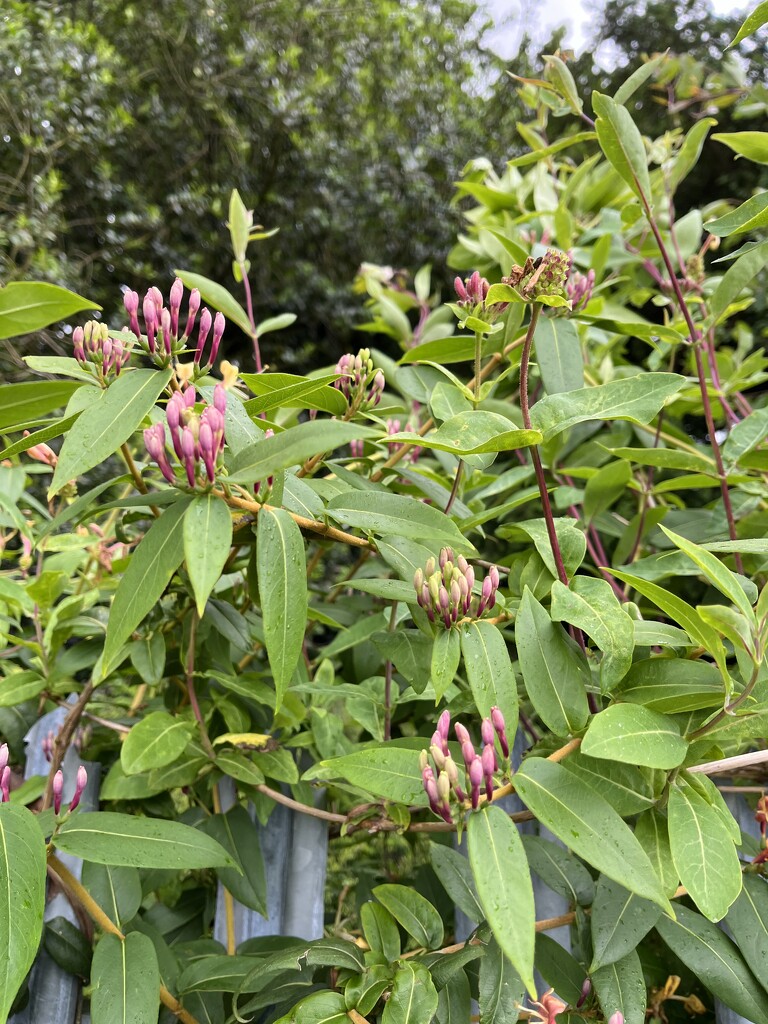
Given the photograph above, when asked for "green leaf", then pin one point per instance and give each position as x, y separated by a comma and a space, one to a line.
489, 671
502, 877
446, 655
239, 224
747, 920
547, 151
589, 826
214, 974
455, 875
749, 216
286, 390
67, 946
27, 306
382, 513
636, 399
572, 541
121, 839
217, 296
126, 981
413, 999
294, 446
20, 686
711, 955
560, 76
117, 890
500, 991
629, 86
275, 323
620, 986
714, 570
380, 930
22, 897
415, 913
689, 153
56, 429
473, 432
387, 771
752, 145
152, 564
207, 542
558, 355
282, 574
592, 606
703, 851
148, 657
237, 834
605, 487
752, 23
672, 685
652, 832
734, 281
104, 426
636, 734
620, 920
744, 436
554, 672
155, 741
319, 1008
29, 400
622, 144
454, 1004
558, 968
679, 612
559, 870
238, 766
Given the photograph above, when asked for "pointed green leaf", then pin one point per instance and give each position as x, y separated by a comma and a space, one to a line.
117, 890
107, 838
385, 771
620, 986
558, 355
446, 655
710, 954
455, 875
217, 296
154, 742
472, 433
592, 606
636, 734
703, 852
22, 898
382, 513
29, 400
282, 574
752, 23
622, 144
554, 673
489, 671
291, 447
415, 913
581, 819
714, 570
126, 981
413, 999
747, 920
27, 306
149, 572
620, 920
559, 870
238, 835
207, 541
500, 991
504, 887
104, 426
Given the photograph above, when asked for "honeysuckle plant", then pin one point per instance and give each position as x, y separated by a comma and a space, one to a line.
224, 574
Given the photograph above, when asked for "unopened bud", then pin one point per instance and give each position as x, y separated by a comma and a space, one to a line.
3, 757
443, 788
462, 735
444, 725
205, 326
423, 761
486, 731
80, 784
586, 988
58, 789
5, 785
616, 1018
476, 779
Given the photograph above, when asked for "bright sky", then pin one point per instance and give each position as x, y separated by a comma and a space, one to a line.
512, 16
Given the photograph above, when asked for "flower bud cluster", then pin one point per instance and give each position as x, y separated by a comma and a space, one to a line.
360, 383
394, 427
546, 276
163, 336
472, 294
58, 789
94, 349
197, 439
444, 589
579, 289
42, 453
479, 769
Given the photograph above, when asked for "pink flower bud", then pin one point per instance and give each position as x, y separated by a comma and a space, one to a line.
219, 324
150, 321
58, 789
208, 450
437, 755
205, 326
476, 779
461, 291
165, 327
486, 731
501, 729
586, 988
3, 757
80, 783
42, 453
220, 399
468, 753
446, 556
194, 306
616, 1018
5, 785
443, 727
462, 735
488, 760
78, 337
188, 447
176, 295
157, 298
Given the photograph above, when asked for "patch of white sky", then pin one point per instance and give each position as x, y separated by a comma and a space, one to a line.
512, 19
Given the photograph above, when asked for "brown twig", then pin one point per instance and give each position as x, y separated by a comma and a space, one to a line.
301, 521
64, 738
